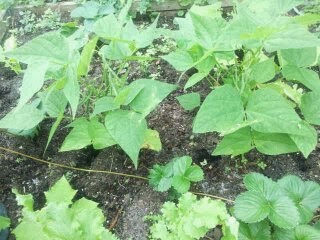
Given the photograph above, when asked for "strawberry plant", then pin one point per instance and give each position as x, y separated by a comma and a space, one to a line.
57, 77
277, 210
259, 64
81, 219
192, 219
177, 174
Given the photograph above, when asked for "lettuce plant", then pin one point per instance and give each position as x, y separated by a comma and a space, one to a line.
277, 210
57, 77
61, 218
177, 174
192, 219
259, 64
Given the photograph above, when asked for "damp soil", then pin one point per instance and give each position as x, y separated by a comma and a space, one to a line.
125, 201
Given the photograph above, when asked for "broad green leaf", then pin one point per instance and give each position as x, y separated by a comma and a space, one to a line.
306, 232
221, 110
263, 71
87, 10
124, 12
306, 138
307, 77
194, 174
281, 233
273, 143
54, 103
50, 47
283, 212
255, 231
306, 195
128, 129
181, 164
27, 117
127, 94
85, 133
116, 50
310, 107
235, 143
22, 231
60, 192
181, 184
107, 27
86, 56
272, 113
160, 177
194, 79
32, 82
180, 60
72, 88
303, 57
147, 35
4, 222
104, 104
251, 207
26, 201
189, 101
293, 36
152, 93
152, 140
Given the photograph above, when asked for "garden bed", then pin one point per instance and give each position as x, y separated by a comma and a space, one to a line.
126, 200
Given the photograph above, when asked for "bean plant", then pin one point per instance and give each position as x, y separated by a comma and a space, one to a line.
259, 62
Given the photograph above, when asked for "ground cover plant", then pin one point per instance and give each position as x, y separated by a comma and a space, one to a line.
86, 88
263, 84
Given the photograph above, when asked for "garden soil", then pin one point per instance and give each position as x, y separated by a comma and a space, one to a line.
124, 200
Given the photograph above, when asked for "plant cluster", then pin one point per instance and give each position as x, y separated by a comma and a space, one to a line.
259, 64
61, 218
177, 174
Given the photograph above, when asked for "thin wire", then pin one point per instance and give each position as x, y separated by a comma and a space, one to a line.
100, 171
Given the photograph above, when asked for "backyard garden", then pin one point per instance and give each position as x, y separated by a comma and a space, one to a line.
160, 120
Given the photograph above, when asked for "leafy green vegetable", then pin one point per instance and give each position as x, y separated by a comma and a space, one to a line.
189, 101
82, 219
192, 219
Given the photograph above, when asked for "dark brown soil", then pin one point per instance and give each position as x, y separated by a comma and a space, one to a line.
125, 201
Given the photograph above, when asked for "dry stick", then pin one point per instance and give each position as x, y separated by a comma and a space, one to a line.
99, 171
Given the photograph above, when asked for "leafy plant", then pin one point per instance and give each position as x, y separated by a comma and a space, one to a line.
259, 65
61, 218
177, 174
9, 44
277, 210
192, 219
57, 76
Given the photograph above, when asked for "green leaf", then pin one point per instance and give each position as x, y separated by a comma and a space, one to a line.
254, 231
4, 223
87, 10
306, 138
85, 133
306, 232
307, 77
181, 184
303, 57
194, 174
146, 36
189, 101
50, 47
310, 107
32, 82
72, 88
104, 104
128, 129
54, 103
152, 93
107, 27
26, 201
283, 212
221, 110
251, 207
27, 117
263, 71
181, 164
152, 140
180, 60
60, 192
273, 143
127, 94
272, 113
256, 182
194, 79
235, 143
160, 177
306, 195
53, 129
86, 57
